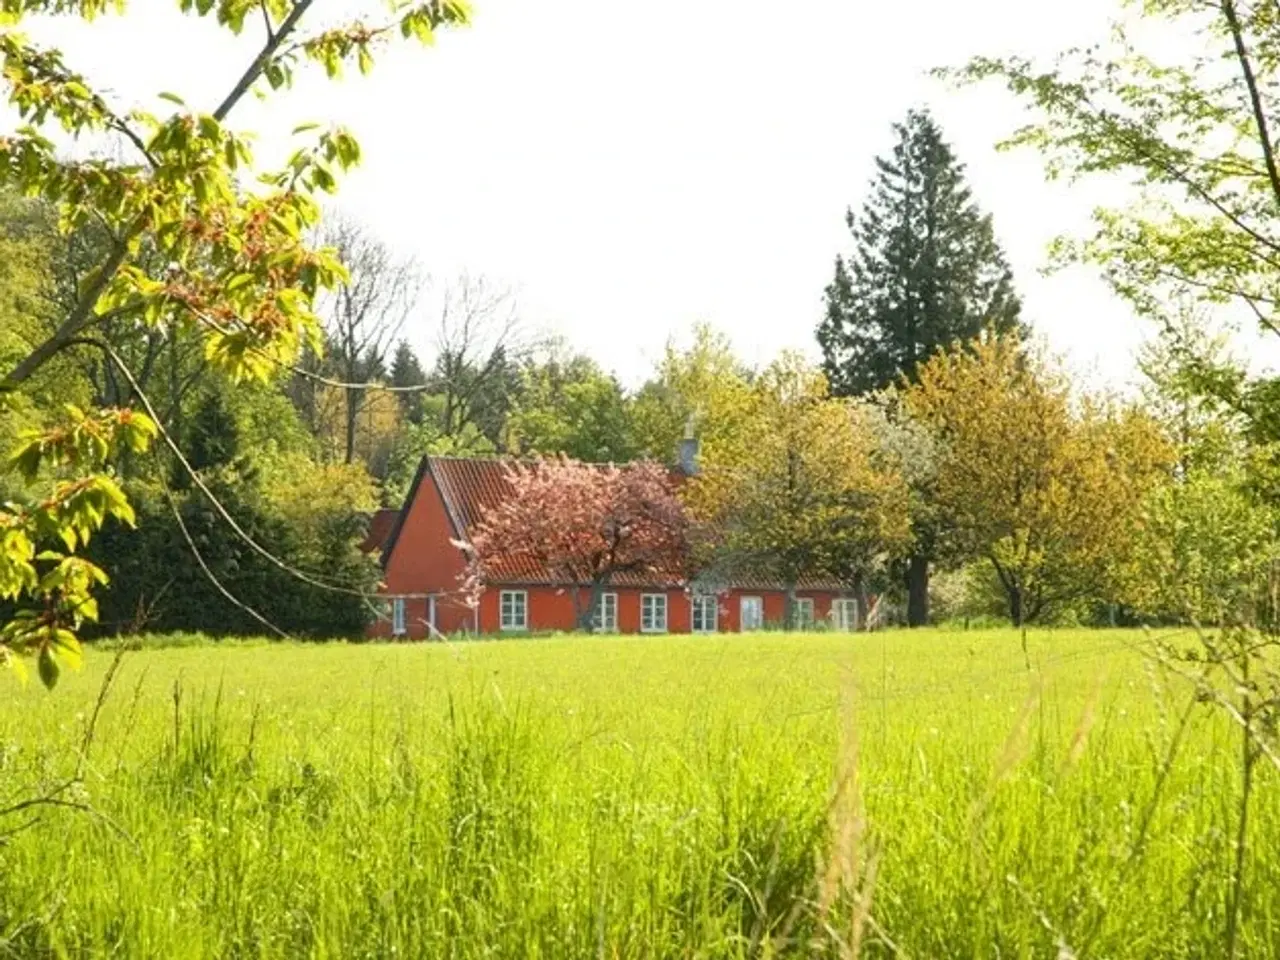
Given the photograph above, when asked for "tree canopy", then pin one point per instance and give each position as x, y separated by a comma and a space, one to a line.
236, 270
799, 491
582, 524
1048, 491
926, 270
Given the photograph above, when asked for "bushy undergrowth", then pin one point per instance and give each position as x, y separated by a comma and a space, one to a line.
918, 794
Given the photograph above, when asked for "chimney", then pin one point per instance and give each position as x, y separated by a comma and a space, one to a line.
689, 451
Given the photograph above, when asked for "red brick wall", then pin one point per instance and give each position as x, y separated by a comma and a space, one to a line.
551, 609
426, 561
775, 606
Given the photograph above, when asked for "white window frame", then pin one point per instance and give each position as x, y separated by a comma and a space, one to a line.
511, 595
702, 599
651, 602
804, 620
606, 615
398, 625
844, 614
742, 613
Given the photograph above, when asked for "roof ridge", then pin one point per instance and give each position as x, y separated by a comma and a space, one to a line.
486, 457
531, 457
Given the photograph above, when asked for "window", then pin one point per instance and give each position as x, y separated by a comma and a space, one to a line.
513, 610
844, 614
606, 619
653, 613
397, 617
804, 612
752, 613
705, 613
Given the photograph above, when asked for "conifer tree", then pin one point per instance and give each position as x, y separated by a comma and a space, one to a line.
926, 272
407, 372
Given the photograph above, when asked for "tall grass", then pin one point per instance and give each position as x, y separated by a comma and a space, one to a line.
919, 794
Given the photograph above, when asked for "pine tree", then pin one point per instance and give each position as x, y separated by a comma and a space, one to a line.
406, 371
926, 272
214, 440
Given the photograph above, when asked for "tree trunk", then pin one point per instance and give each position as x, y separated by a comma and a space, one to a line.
352, 419
587, 617
1015, 605
918, 591
862, 601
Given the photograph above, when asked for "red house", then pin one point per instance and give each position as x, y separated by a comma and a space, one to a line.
423, 573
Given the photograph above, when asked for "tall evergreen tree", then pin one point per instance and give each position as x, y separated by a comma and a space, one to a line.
926, 272
406, 372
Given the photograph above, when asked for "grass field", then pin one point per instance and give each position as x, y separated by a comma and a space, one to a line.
770, 795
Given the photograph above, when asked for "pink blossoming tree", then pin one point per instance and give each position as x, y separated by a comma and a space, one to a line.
580, 525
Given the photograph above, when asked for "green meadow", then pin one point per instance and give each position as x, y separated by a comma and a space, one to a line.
925, 794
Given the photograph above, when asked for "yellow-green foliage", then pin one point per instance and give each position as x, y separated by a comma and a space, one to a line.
1047, 490
636, 797
239, 272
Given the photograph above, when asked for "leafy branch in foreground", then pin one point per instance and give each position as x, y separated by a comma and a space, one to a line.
56, 584
238, 269
1189, 126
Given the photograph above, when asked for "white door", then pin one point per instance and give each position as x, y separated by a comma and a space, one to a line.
844, 614
752, 613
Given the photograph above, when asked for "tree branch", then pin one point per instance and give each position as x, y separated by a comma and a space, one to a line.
266, 21
254, 70
1255, 96
79, 318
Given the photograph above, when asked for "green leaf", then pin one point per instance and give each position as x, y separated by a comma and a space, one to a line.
69, 650
173, 98
48, 668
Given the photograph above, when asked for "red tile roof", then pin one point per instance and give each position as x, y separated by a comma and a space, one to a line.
471, 485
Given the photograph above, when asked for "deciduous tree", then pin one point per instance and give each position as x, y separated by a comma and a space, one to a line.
1207, 552
568, 405
1190, 125
237, 270
1050, 495
480, 341
801, 490
704, 387
363, 318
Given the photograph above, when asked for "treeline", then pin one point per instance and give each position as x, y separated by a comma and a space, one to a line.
260, 527
1033, 500
934, 458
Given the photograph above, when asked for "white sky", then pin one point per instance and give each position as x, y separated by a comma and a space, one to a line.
633, 168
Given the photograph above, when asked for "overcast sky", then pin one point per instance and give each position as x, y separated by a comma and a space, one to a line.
634, 168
